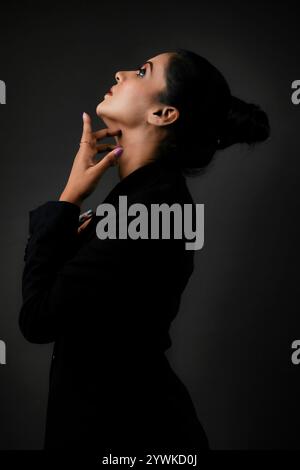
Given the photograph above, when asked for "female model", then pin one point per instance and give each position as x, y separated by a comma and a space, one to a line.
107, 303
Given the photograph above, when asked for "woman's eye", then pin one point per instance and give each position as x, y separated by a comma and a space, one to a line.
141, 69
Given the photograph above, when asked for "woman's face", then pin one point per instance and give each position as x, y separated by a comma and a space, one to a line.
134, 94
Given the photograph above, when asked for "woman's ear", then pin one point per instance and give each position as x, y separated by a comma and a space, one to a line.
163, 116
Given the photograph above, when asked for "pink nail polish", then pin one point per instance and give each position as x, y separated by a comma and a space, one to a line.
118, 151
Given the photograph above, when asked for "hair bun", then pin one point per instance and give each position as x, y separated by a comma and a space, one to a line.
245, 123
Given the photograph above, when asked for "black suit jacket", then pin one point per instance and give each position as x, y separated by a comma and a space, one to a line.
107, 305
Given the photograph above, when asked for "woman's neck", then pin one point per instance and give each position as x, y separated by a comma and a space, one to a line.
139, 150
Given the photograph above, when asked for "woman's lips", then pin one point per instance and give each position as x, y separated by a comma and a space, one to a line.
109, 92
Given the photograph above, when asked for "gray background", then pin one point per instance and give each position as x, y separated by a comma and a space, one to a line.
239, 313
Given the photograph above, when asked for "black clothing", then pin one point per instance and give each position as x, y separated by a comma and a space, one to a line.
107, 305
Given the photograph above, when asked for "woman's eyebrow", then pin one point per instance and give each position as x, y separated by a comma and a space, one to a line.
151, 64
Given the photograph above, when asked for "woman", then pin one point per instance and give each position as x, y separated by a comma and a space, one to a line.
107, 303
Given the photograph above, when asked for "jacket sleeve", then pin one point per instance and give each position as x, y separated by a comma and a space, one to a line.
59, 280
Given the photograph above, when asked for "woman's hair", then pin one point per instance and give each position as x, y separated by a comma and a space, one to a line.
210, 118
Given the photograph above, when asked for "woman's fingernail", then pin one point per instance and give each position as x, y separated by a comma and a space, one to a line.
118, 151
85, 215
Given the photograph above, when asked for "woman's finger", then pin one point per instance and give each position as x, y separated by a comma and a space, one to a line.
102, 133
84, 224
87, 128
111, 159
105, 147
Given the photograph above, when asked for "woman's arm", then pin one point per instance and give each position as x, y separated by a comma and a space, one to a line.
58, 279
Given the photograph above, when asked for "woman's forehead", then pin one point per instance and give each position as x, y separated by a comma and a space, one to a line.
160, 58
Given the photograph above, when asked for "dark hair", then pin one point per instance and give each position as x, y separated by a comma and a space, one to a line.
210, 118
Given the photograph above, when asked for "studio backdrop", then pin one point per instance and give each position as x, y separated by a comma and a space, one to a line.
235, 340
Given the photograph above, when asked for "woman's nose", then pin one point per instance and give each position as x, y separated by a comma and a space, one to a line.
118, 76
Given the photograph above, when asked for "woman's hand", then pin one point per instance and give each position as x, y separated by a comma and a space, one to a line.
84, 224
86, 172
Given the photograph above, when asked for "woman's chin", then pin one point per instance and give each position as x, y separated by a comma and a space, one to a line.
98, 109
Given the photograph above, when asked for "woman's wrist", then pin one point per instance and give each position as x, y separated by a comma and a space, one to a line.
68, 197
